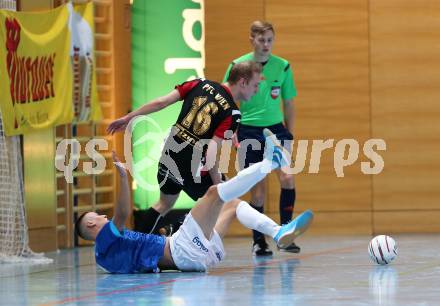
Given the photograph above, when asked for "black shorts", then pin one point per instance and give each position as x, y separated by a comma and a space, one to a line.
248, 134
171, 184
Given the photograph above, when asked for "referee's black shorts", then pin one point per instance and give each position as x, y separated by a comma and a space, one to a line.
247, 134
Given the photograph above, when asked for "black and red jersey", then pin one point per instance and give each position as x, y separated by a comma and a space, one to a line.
208, 109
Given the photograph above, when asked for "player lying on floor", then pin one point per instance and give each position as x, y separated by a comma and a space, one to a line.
197, 245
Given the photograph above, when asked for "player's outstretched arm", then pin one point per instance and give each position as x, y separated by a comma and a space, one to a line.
151, 107
123, 206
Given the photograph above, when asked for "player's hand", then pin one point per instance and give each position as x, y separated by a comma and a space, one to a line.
118, 125
235, 141
119, 166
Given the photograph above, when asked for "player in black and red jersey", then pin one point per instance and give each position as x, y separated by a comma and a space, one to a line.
208, 115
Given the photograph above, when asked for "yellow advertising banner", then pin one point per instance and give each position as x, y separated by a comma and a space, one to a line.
35, 70
47, 74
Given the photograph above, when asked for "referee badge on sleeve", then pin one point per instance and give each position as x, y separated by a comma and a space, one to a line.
275, 92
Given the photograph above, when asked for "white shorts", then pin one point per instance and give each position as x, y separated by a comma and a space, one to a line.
191, 251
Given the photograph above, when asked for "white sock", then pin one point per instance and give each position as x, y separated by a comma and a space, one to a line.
252, 219
244, 180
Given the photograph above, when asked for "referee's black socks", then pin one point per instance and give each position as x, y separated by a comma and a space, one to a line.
256, 235
287, 203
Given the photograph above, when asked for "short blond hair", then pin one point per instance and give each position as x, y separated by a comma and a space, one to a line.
244, 70
259, 27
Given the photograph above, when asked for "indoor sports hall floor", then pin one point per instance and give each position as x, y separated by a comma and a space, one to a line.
329, 271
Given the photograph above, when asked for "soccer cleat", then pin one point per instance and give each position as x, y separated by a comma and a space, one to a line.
289, 232
279, 155
292, 248
261, 248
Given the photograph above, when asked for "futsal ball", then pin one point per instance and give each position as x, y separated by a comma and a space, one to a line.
382, 249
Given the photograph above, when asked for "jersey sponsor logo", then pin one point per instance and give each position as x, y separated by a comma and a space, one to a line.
199, 244
188, 137
219, 256
275, 92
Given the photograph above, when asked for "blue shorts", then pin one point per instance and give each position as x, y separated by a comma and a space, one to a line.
248, 134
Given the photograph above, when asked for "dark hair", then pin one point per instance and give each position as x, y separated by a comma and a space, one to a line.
259, 27
244, 70
78, 225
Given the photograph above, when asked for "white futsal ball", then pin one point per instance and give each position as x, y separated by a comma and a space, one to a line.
382, 249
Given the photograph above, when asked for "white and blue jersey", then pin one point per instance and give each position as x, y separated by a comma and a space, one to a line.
128, 251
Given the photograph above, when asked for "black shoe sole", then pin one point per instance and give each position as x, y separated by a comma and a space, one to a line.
296, 251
